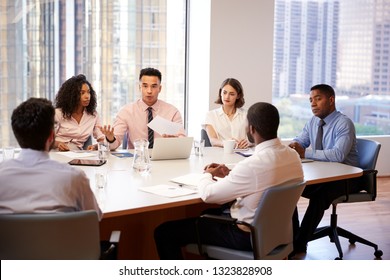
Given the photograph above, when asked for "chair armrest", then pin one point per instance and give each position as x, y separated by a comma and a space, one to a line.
227, 220
115, 236
217, 219
109, 249
220, 219
362, 181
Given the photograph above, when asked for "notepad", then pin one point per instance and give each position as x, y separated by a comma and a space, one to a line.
191, 179
167, 190
246, 153
122, 154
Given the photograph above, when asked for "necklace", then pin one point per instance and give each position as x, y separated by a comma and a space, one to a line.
229, 115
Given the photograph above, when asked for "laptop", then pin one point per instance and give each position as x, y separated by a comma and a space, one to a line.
171, 148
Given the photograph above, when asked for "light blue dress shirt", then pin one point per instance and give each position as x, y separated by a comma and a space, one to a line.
339, 139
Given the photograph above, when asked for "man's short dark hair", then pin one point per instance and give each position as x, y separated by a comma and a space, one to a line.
324, 89
150, 72
264, 117
32, 122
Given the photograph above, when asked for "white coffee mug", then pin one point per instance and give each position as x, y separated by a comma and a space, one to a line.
228, 146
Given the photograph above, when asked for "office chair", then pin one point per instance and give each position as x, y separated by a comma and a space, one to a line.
271, 229
65, 236
88, 142
124, 141
368, 154
204, 136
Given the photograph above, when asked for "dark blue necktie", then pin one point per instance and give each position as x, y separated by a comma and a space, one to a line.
320, 134
150, 131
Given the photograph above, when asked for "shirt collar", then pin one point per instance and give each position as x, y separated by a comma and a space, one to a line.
145, 106
221, 112
33, 155
329, 118
267, 144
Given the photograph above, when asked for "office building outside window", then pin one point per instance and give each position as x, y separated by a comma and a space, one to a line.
43, 43
341, 43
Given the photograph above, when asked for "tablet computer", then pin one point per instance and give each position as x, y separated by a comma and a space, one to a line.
88, 162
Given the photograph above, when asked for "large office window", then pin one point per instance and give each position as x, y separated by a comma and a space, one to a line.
341, 43
43, 43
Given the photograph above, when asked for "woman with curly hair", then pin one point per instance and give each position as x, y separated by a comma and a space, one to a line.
228, 121
76, 115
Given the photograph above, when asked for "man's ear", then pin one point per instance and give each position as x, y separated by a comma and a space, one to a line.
251, 129
50, 139
331, 99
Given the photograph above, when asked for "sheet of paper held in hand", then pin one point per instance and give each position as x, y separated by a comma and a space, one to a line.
163, 126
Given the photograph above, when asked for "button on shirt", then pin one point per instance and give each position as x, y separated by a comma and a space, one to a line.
70, 129
271, 164
133, 118
33, 183
339, 139
226, 128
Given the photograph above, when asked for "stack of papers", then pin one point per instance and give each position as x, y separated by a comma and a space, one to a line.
168, 191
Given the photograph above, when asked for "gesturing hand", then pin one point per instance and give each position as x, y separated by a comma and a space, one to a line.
108, 131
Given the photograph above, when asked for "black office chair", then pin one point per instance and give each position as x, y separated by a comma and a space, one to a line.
54, 236
205, 137
368, 154
271, 229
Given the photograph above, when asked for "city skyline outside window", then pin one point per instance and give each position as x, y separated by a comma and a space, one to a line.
43, 43
341, 43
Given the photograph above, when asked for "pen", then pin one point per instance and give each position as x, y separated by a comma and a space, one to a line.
188, 187
70, 141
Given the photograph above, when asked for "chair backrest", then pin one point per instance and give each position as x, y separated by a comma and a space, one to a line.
124, 141
205, 137
87, 143
71, 235
273, 218
368, 151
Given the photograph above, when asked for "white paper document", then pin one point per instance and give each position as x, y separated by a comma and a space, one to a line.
163, 126
168, 191
191, 179
71, 154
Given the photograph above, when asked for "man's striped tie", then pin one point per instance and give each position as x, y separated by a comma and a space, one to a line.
150, 131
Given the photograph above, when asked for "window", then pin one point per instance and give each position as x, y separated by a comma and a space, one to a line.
332, 42
43, 43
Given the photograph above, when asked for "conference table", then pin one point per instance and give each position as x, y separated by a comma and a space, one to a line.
136, 213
